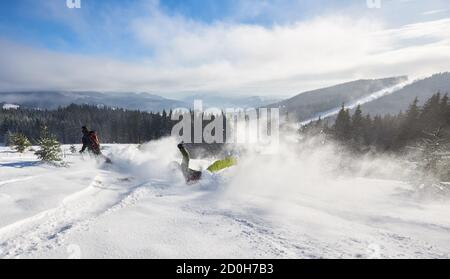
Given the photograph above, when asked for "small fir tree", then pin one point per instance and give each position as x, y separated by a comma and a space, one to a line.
19, 142
49, 147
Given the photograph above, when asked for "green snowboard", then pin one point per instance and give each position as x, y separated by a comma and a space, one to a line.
222, 164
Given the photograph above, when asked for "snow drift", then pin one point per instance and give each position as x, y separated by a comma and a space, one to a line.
309, 200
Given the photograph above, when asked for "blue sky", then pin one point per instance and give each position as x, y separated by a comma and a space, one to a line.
233, 46
49, 24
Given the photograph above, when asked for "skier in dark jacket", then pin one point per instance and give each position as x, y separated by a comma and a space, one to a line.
189, 174
90, 142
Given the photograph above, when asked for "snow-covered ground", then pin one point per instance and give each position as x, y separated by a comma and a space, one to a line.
280, 206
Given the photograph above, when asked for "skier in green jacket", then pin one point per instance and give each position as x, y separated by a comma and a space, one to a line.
189, 174
192, 175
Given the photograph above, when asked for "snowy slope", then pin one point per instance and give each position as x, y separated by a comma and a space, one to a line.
400, 100
309, 104
394, 99
354, 104
141, 208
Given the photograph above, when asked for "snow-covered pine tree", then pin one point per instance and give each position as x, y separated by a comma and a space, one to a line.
49, 147
435, 151
19, 142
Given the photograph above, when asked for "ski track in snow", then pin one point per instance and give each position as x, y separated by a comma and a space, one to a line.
16, 180
110, 192
364, 234
75, 212
46, 230
274, 242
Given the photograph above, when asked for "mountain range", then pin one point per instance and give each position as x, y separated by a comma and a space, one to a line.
224, 102
399, 100
53, 100
376, 96
308, 105
132, 101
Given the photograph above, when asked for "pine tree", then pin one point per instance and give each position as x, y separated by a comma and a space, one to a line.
445, 109
367, 130
20, 142
435, 149
431, 118
357, 126
342, 126
410, 129
50, 148
413, 111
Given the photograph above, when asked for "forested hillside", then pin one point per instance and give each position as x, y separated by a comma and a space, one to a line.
423, 131
309, 104
399, 100
112, 125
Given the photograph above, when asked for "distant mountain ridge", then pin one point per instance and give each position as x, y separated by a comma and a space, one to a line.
308, 104
125, 100
400, 100
224, 102
378, 97
55, 99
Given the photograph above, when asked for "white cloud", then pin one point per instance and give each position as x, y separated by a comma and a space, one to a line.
227, 57
433, 12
